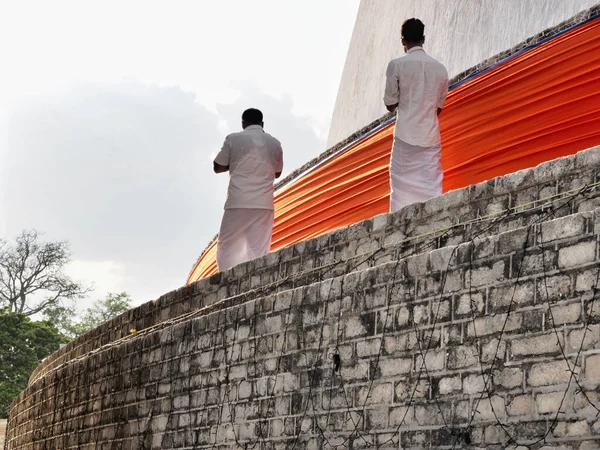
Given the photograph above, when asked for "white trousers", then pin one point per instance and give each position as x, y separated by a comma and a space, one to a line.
415, 174
245, 234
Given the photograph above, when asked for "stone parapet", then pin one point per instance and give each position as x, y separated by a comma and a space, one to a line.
496, 205
469, 320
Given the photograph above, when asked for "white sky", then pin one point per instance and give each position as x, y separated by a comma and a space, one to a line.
284, 46
110, 112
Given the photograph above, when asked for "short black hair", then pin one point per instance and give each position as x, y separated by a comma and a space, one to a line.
252, 116
413, 30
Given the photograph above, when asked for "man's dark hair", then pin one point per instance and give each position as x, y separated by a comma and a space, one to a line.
413, 30
252, 116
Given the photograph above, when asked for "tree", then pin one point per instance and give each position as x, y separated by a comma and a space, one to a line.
32, 274
23, 345
102, 310
64, 316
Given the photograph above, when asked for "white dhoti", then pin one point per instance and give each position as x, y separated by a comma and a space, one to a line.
415, 174
245, 234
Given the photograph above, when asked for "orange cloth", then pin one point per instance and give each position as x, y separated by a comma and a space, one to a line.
539, 105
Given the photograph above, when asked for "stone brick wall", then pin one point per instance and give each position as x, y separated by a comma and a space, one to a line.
471, 320
339, 252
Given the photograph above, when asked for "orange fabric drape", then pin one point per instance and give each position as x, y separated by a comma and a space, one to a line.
538, 105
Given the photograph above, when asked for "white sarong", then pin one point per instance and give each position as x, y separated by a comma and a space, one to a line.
415, 174
245, 234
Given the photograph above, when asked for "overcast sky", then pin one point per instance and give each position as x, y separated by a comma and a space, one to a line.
111, 113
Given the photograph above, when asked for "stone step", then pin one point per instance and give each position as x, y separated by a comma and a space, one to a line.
567, 184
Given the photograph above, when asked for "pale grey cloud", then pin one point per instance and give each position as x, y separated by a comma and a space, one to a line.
123, 171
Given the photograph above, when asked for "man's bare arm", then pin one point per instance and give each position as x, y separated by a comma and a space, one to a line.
218, 168
277, 174
391, 108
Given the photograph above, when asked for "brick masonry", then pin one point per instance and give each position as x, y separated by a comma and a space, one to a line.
470, 320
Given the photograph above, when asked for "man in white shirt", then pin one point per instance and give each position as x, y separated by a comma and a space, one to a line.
417, 85
254, 159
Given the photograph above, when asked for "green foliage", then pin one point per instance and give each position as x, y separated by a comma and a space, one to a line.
23, 345
65, 319
103, 310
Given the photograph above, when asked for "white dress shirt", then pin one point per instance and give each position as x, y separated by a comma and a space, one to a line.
253, 157
418, 83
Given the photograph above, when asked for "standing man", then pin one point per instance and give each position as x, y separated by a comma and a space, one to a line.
254, 159
416, 84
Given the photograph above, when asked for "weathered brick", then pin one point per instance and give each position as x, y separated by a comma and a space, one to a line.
551, 402
377, 417
355, 327
356, 372
509, 377
401, 416
434, 360
577, 254
512, 295
474, 384
368, 348
534, 263
495, 434
376, 394
592, 366
417, 265
546, 343
560, 315
490, 408
244, 390
420, 314
462, 356
485, 275
596, 427
585, 339
513, 240
394, 367
544, 374
565, 227
277, 427
586, 281
592, 309
402, 316
584, 402
494, 349
520, 405
442, 259
579, 428
453, 281
380, 222
429, 414
447, 385
411, 389
553, 287
482, 326
470, 303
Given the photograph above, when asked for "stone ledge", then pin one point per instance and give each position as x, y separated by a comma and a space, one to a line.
463, 205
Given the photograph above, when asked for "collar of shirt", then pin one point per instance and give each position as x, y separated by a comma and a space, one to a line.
253, 127
415, 49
